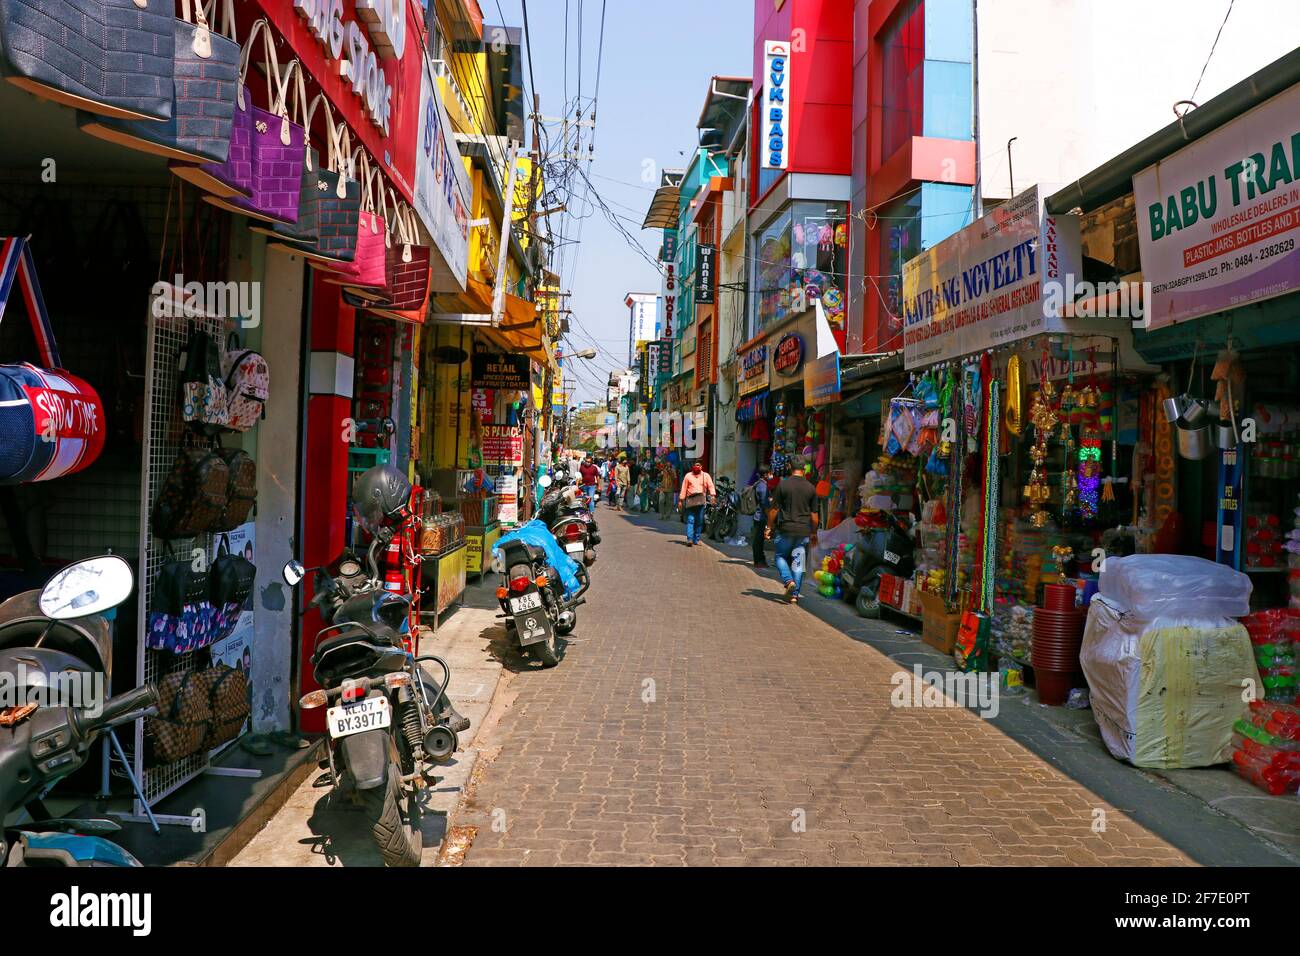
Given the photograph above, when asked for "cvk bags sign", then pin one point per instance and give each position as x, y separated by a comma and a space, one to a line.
996, 281
1218, 220
441, 189
706, 258
774, 122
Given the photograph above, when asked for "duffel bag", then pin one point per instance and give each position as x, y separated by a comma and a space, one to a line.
184, 718
228, 702
51, 422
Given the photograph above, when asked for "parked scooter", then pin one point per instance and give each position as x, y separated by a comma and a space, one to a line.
57, 647
720, 517
532, 594
565, 511
389, 724
888, 549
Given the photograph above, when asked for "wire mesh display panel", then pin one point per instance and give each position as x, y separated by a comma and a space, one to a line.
163, 430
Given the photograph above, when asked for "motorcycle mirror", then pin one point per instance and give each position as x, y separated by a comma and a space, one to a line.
293, 573
545, 481
87, 587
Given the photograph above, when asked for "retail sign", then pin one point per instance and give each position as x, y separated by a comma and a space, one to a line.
670, 245
992, 283
1219, 220
753, 370
492, 370
442, 191
787, 357
669, 297
821, 380
706, 258
503, 445
665, 357
774, 121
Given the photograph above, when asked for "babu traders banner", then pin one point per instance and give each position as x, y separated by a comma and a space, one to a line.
985, 285
1218, 220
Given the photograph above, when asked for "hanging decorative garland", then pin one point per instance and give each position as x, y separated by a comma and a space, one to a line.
988, 564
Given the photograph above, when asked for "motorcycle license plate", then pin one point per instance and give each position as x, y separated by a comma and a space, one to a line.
891, 557
373, 713
526, 602
575, 547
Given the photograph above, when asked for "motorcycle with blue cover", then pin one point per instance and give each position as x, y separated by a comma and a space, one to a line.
389, 723
56, 649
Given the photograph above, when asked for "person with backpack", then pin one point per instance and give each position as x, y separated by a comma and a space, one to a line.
753, 501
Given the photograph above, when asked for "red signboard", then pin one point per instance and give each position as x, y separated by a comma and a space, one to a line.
348, 48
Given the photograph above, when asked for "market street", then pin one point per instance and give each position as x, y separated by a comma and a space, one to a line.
696, 719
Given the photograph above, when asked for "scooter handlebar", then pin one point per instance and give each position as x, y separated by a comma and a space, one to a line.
115, 708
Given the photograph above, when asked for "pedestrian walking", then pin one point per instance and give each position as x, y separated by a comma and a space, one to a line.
589, 475
697, 491
622, 475
792, 518
667, 490
759, 491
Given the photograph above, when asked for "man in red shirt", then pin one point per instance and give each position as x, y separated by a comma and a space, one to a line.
589, 475
697, 491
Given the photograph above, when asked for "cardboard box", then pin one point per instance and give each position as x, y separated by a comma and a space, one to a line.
938, 624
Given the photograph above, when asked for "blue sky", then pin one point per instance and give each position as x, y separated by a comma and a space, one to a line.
659, 56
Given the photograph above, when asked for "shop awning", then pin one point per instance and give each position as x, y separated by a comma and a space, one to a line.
522, 330
662, 213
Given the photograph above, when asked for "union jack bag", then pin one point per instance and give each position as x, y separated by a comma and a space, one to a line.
51, 422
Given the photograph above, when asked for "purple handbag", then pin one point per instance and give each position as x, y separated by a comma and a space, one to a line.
234, 177
278, 150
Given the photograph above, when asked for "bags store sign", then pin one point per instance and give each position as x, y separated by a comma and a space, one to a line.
365, 56
1218, 220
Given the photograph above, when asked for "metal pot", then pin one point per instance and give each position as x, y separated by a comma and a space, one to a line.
1194, 444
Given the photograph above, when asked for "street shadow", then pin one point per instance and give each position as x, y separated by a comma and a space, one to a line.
341, 829
765, 595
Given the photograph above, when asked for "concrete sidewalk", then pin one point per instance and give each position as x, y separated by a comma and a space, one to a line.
309, 832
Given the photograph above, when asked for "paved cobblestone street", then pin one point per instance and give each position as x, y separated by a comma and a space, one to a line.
698, 719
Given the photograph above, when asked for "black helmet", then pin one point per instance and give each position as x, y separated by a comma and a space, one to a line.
380, 495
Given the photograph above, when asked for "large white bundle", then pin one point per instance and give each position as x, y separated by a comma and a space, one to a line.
1166, 672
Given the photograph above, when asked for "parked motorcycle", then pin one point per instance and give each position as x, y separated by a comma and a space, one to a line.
720, 518
389, 723
565, 511
532, 594
57, 646
888, 549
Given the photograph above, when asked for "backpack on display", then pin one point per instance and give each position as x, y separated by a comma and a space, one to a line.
194, 495
182, 614
204, 397
231, 580
247, 384
241, 489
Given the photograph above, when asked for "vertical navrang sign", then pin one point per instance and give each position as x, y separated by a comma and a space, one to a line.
1218, 221
774, 122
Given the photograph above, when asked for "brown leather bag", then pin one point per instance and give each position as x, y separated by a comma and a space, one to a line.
184, 717
227, 690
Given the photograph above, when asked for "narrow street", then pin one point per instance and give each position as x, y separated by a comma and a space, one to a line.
698, 719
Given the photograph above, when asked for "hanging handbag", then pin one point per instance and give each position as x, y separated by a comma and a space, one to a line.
407, 264
278, 145
205, 400
366, 268
232, 177
338, 205
203, 94
51, 422
111, 57
306, 228
241, 489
